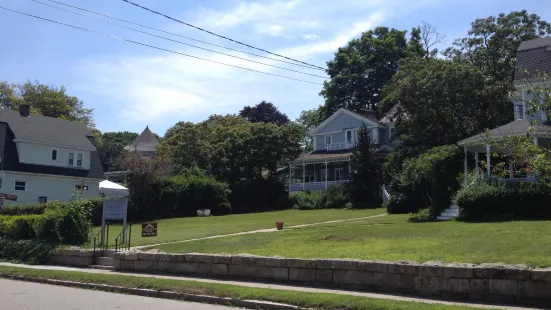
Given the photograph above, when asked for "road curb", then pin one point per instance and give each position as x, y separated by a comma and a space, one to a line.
252, 304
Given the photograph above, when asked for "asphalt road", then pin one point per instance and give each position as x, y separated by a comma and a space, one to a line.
18, 295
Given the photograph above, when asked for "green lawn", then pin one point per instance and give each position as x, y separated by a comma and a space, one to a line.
393, 238
197, 227
308, 300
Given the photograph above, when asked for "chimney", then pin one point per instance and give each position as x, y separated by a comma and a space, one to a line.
24, 110
370, 114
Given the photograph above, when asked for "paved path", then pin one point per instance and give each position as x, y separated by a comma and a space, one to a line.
257, 231
34, 296
269, 286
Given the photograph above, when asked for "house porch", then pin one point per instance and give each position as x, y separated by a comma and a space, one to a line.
318, 175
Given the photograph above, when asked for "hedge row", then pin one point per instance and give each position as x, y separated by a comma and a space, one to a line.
59, 223
334, 198
487, 201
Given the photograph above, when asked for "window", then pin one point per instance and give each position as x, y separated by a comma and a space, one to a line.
81, 187
349, 136
71, 161
0, 183
520, 109
327, 140
392, 133
42, 199
54, 155
79, 160
20, 185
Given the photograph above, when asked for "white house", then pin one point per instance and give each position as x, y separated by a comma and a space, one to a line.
46, 159
333, 142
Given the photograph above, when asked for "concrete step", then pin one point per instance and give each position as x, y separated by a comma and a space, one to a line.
103, 267
105, 261
444, 218
109, 253
450, 211
454, 207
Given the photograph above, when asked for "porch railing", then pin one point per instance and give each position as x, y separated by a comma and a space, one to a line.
339, 146
314, 186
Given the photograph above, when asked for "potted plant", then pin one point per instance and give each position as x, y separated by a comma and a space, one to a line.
279, 225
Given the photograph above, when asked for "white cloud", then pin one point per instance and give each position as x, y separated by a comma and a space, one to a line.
161, 88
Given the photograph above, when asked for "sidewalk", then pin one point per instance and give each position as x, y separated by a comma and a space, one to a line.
270, 286
257, 231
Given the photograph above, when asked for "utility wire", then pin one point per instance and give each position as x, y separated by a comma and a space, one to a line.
155, 47
180, 42
220, 36
185, 37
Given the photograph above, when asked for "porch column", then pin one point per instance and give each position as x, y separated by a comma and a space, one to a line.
536, 141
326, 170
510, 169
465, 165
476, 160
349, 170
290, 177
303, 175
488, 162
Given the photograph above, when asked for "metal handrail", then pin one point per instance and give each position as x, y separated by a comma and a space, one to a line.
120, 237
96, 238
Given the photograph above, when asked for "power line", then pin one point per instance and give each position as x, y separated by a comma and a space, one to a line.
185, 37
180, 42
155, 47
220, 36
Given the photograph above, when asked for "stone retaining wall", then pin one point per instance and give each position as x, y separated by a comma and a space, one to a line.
489, 283
72, 257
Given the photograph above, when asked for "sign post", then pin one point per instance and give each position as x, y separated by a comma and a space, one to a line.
114, 210
4, 197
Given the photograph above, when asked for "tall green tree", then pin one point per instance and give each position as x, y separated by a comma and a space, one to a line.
492, 43
112, 148
264, 112
365, 178
444, 102
47, 100
232, 148
361, 69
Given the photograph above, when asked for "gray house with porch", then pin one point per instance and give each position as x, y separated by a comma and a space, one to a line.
533, 58
333, 142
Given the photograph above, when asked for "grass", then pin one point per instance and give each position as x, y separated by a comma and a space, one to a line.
304, 299
198, 227
393, 238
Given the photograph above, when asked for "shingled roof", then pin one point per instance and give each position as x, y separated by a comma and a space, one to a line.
144, 143
29, 129
533, 57
48, 130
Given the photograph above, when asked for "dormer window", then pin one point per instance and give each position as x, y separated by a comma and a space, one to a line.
79, 160
71, 161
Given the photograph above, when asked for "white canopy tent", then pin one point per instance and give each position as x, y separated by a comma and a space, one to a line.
112, 190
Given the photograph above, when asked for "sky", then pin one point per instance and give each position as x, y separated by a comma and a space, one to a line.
130, 86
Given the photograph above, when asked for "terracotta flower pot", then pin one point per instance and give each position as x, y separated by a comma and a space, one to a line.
279, 225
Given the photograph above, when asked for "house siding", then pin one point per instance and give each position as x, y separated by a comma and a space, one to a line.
38, 154
54, 188
340, 123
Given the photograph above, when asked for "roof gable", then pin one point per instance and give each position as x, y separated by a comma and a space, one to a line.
368, 121
145, 142
48, 130
533, 57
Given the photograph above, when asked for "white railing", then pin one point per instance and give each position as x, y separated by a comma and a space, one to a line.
314, 186
385, 195
339, 146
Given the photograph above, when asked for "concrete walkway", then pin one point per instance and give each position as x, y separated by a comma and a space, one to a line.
257, 231
270, 286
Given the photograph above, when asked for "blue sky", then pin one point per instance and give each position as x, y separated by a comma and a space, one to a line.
132, 86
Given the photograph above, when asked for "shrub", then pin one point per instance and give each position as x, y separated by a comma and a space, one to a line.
489, 201
309, 200
183, 195
407, 201
423, 215
61, 223
334, 198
